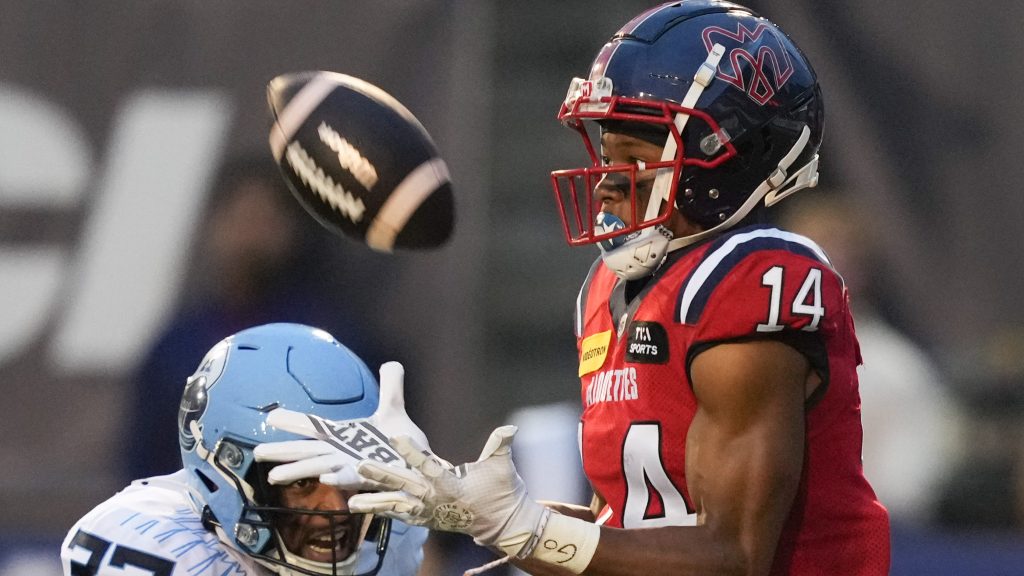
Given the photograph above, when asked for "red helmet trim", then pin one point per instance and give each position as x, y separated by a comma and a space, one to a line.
580, 230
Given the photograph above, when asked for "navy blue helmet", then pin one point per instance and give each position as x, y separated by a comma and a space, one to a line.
731, 98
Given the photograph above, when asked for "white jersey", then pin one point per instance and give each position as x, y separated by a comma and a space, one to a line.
152, 527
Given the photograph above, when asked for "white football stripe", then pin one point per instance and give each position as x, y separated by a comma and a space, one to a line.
296, 112
404, 201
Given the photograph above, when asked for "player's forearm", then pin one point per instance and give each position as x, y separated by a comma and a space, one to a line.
537, 568
574, 510
571, 546
675, 551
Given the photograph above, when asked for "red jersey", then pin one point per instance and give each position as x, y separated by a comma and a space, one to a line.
755, 282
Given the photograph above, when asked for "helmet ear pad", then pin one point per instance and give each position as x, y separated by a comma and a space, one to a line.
708, 197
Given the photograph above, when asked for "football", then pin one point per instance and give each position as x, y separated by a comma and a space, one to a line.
359, 161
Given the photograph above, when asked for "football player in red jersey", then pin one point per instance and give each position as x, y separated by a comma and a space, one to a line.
720, 428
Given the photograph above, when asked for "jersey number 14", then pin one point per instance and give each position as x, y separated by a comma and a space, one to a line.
807, 302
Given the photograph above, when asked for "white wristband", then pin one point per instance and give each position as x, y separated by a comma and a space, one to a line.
568, 542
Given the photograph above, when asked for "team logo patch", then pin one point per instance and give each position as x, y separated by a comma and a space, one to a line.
453, 517
761, 49
593, 351
647, 343
192, 408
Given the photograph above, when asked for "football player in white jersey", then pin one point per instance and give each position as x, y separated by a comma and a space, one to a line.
220, 515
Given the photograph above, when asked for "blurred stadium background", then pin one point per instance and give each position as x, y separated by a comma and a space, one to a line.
115, 117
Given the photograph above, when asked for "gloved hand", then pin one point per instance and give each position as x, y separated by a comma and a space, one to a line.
486, 499
336, 447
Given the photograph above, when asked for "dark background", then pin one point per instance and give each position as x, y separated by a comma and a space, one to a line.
924, 132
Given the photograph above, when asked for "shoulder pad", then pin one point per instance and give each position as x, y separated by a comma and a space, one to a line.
725, 253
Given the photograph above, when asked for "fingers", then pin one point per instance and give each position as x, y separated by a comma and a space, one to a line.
499, 442
291, 450
419, 457
408, 449
292, 421
394, 478
392, 388
310, 468
390, 415
397, 505
334, 468
349, 479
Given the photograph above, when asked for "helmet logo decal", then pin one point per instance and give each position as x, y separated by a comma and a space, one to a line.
193, 406
195, 398
762, 49
590, 92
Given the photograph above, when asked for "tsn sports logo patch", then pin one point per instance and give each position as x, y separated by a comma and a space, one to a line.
762, 49
647, 343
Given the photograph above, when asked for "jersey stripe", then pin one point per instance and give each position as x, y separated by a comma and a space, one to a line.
725, 254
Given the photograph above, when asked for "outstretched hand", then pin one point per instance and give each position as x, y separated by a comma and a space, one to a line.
486, 499
336, 447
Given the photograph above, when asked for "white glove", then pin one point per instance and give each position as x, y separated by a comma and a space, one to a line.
336, 447
485, 499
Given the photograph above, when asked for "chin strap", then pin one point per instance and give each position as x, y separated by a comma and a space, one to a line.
642, 255
805, 177
663, 181
777, 186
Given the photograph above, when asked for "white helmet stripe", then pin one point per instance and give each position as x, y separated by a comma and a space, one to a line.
663, 181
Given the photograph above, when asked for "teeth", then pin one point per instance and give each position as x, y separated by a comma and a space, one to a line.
320, 549
327, 542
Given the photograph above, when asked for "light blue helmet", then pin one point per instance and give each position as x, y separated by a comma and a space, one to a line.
223, 417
